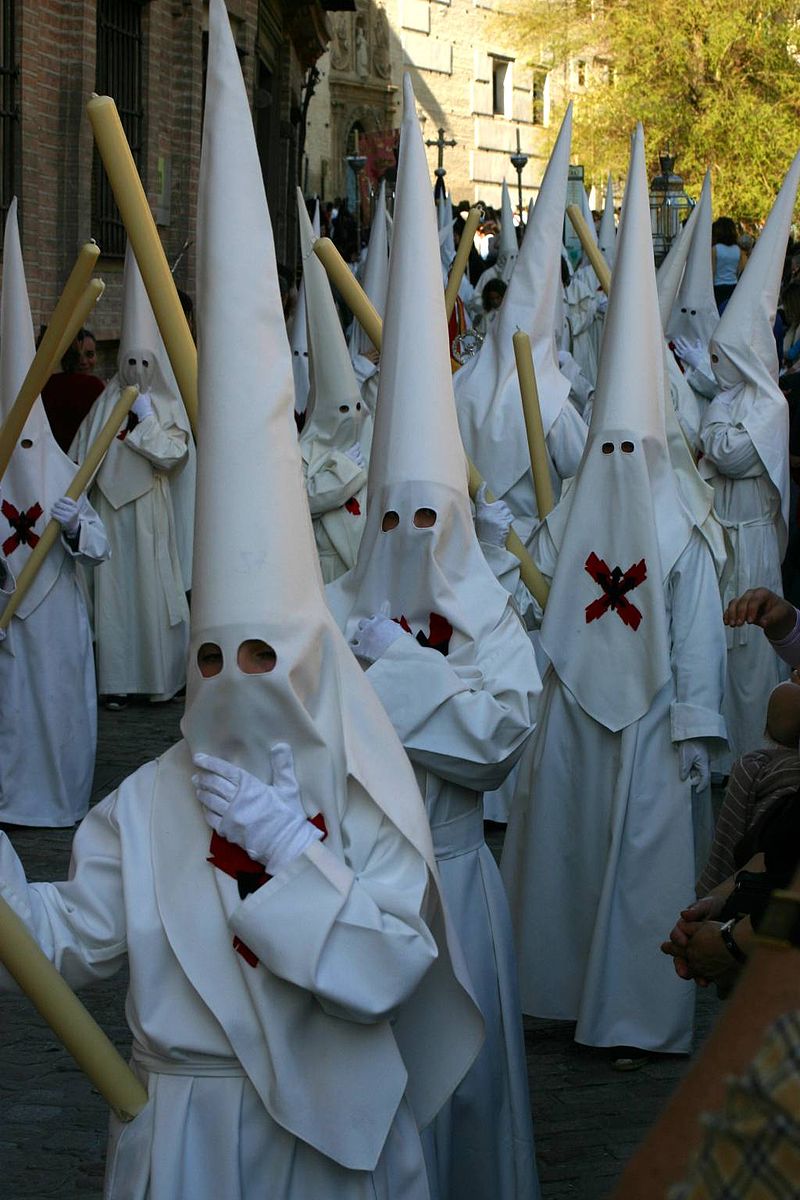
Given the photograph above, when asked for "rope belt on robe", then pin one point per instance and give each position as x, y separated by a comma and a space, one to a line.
156, 1064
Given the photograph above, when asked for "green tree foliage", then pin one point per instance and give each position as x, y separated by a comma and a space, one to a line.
718, 81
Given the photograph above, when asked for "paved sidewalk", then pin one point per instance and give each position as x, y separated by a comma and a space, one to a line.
52, 1126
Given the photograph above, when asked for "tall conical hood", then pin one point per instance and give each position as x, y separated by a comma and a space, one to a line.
299, 339
334, 413
670, 272
38, 472
743, 352
447, 243
695, 314
257, 581
607, 235
487, 388
417, 463
415, 438
606, 618
743, 339
375, 277
508, 235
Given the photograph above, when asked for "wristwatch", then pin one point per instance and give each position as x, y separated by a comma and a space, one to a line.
733, 949
780, 925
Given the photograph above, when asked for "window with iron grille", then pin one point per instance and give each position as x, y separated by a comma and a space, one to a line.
119, 75
9, 114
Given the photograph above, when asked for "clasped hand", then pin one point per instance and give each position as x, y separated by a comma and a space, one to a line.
267, 820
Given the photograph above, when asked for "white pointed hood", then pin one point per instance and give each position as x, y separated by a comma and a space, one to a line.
694, 314
605, 627
256, 577
607, 234
335, 413
509, 248
375, 275
670, 272
38, 472
743, 352
487, 389
299, 339
446, 220
417, 458
142, 361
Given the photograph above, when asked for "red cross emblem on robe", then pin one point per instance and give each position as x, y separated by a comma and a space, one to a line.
22, 523
438, 636
616, 587
249, 875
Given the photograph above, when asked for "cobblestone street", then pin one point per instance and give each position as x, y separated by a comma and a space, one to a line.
52, 1126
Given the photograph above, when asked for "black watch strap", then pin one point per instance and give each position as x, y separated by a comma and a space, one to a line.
735, 951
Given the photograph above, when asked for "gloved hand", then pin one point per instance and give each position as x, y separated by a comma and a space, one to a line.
601, 303
492, 520
374, 636
67, 513
689, 351
142, 406
356, 454
694, 764
268, 821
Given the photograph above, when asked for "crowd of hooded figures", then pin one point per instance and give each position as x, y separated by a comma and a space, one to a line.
327, 981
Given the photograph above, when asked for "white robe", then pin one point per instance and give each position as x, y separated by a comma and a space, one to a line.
463, 729
48, 702
748, 505
205, 1133
140, 611
337, 498
584, 321
598, 856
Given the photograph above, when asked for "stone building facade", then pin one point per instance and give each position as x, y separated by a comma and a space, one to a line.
468, 80
151, 57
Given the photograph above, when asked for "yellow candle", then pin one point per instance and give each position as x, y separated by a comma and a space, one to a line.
532, 412
83, 477
141, 229
530, 574
91, 294
350, 289
40, 369
591, 249
460, 261
71, 1023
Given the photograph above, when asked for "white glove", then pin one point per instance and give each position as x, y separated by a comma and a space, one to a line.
3, 635
694, 764
356, 455
142, 406
267, 821
691, 352
601, 303
374, 636
492, 521
67, 513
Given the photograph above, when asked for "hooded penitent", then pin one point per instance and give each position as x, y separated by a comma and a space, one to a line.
256, 578
375, 276
337, 419
299, 343
143, 362
607, 233
417, 461
487, 388
694, 313
743, 352
503, 267
623, 526
39, 472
